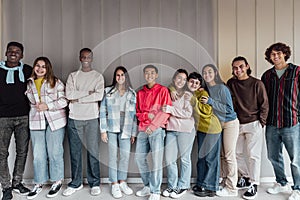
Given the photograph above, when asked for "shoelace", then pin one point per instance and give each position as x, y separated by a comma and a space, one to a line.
125, 186
169, 189
54, 186
36, 187
242, 181
176, 190
251, 189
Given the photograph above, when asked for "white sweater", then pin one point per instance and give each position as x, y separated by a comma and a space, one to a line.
86, 106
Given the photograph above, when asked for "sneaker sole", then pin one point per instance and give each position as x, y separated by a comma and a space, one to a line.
75, 190
18, 191
142, 195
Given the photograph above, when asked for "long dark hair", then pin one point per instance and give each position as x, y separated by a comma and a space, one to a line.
178, 71
127, 79
218, 79
49, 76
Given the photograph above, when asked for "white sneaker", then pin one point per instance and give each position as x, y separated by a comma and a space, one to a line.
124, 188
154, 197
95, 190
225, 192
143, 192
167, 192
278, 188
69, 191
295, 195
35, 191
115, 191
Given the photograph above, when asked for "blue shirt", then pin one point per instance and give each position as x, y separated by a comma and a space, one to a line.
221, 101
110, 113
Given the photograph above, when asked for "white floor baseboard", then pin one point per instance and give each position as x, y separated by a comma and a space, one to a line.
139, 180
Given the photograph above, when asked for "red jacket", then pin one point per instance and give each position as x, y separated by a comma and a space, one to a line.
151, 101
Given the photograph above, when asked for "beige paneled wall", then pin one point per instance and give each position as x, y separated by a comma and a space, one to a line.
223, 28
248, 27
182, 33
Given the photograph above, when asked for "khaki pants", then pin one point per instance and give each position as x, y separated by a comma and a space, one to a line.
248, 150
229, 171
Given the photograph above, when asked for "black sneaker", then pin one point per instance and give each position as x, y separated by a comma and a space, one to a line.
251, 193
7, 193
54, 190
243, 183
21, 189
177, 193
202, 192
35, 191
196, 187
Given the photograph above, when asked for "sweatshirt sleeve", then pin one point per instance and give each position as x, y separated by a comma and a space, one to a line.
183, 112
71, 92
161, 117
204, 110
141, 116
97, 95
263, 102
224, 105
103, 115
61, 101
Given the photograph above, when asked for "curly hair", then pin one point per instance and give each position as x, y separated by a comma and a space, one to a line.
278, 47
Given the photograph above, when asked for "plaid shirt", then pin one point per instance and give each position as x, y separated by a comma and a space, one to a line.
56, 102
284, 96
110, 113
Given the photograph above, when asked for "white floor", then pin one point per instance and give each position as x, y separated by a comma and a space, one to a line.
105, 194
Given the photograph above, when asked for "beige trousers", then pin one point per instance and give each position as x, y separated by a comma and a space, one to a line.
248, 150
229, 171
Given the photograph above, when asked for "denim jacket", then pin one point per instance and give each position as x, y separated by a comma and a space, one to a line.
110, 113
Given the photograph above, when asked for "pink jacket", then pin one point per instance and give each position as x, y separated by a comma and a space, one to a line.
56, 102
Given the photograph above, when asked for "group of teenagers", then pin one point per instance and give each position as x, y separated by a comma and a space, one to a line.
228, 121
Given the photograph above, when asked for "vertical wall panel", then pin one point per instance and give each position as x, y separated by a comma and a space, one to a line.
33, 31
12, 27
284, 23
265, 24
71, 36
91, 23
52, 34
246, 32
206, 14
296, 25
227, 35
130, 19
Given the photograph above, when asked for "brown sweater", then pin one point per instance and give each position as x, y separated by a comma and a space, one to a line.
250, 99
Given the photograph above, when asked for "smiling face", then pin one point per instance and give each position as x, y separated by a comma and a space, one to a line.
180, 81
209, 75
150, 76
14, 54
193, 84
86, 59
40, 69
120, 77
277, 57
239, 69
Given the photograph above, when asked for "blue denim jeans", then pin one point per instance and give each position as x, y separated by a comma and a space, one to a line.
48, 154
208, 165
118, 170
145, 144
182, 143
20, 127
84, 133
290, 138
